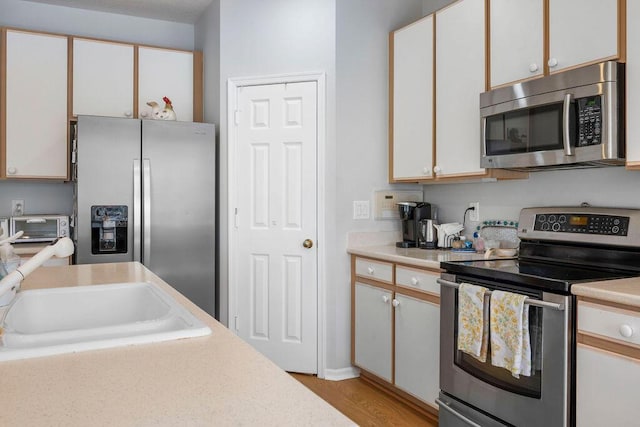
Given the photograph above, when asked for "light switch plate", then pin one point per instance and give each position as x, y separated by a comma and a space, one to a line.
361, 209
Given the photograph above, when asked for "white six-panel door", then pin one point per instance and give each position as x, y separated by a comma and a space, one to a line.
276, 222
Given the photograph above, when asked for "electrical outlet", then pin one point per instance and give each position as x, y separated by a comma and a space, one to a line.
474, 215
17, 207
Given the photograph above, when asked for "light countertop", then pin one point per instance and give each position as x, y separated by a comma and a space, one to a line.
425, 258
621, 291
212, 380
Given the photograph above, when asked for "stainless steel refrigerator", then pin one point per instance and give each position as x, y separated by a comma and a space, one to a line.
145, 191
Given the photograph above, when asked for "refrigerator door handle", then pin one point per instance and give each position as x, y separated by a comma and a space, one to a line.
137, 212
146, 195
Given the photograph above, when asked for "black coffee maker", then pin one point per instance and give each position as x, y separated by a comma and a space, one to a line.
411, 213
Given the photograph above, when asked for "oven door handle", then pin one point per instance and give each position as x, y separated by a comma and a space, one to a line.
457, 414
530, 301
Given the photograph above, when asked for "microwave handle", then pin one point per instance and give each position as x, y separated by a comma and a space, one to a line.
36, 221
566, 136
484, 137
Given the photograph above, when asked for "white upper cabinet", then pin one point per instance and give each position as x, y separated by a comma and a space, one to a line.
412, 100
582, 31
460, 78
516, 40
102, 78
165, 73
36, 106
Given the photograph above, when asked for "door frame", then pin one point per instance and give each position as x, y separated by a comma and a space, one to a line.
233, 84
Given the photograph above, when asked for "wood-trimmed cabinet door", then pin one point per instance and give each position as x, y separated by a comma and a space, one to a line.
166, 73
373, 346
102, 78
36, 117
417, 347
582, 31
411, 109
516, 40
460, 78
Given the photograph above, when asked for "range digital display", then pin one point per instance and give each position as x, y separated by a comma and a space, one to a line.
578, 220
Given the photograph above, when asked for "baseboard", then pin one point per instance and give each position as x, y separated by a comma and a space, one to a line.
341, 374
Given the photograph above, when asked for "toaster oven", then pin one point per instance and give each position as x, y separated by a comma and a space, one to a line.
39, 228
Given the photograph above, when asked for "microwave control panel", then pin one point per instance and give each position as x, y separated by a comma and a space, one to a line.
589, 121
583, 223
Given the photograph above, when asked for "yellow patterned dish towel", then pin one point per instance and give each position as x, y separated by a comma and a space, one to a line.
510, 343
473, 321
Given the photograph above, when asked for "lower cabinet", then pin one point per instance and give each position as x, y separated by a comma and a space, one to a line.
373, 330
396, 332
607, 365
417, 347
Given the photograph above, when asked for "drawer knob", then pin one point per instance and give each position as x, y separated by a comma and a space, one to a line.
414, 281
371, 270
626, 331
385, 299
395, 302
533, 67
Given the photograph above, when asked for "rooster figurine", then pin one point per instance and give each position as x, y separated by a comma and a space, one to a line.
165, 113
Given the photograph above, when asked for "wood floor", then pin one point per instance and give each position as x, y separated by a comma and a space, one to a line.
364, 403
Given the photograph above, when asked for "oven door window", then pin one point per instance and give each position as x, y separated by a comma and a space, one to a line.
500, 377
527, 130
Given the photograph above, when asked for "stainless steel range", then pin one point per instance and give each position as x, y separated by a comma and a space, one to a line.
559, 246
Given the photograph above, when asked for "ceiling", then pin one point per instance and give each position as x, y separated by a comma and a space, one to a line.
185, 11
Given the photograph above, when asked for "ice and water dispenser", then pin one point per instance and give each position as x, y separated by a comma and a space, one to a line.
109, 226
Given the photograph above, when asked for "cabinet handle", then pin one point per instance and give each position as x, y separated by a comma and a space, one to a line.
437, 170
128, 113
143, 114
553, 62
426, 171
385, 299
414, 281
626, 331
533, 67
12, 170
370, 270
395, 302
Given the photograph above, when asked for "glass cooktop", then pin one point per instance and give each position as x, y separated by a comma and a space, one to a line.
537, 275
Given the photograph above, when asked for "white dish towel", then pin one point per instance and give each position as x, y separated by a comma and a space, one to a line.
473, 321
510, 342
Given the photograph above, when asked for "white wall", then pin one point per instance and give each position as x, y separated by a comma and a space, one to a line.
610, 187
362, 74
58, 19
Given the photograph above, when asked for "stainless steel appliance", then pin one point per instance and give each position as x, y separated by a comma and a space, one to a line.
559, 246
411, 215
570, 119
39, 228
145, 191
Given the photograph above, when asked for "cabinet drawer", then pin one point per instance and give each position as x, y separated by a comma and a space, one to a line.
377, 270
610, 322
417, 279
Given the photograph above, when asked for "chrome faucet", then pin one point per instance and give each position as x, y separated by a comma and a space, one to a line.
61, 248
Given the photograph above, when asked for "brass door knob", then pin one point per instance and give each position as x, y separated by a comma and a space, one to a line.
308, 243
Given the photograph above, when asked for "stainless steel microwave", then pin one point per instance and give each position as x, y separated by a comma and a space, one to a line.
40, 228
569, 119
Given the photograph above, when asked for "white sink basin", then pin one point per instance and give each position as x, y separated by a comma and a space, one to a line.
44, 322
